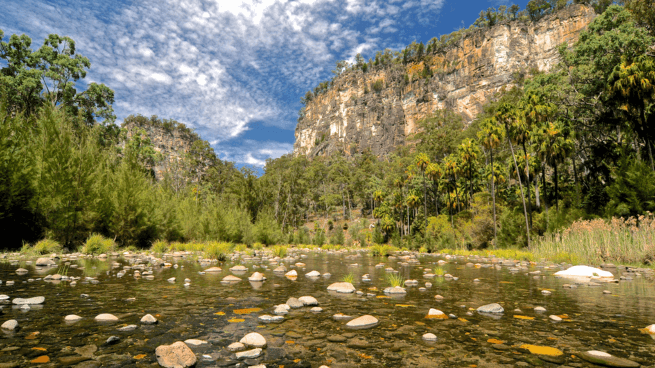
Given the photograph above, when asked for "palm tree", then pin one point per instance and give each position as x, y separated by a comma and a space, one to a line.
435, 172
555, 146
490, 135
413, 201
468, 153
422, 161
452, 169
507, 115
400, 183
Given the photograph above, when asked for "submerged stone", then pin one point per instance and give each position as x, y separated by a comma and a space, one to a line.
363, 322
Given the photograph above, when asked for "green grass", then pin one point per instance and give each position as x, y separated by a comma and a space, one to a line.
240, 248
509, 253
45, 246
439, 271
218, 251
395, 279
381, 250
159, 247
280, 251
350, 277
98, 244
624, 241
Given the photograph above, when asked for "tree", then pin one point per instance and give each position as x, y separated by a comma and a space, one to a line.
555, 145
508, 115
468, 153
422, 161
490, 135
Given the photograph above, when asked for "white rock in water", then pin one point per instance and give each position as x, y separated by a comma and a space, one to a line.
430, 337
436, 314
395, 290
72, 318
291, 273
316, 310
4, 297
106, 317
584, 271
249, 354
148, 319
651, 329
555, 318
254, 340
10, 324
213, 269
236, 346
342, 287
308, 300
313, 274
177, 355
491, 308
239, 268
257, 276
271, 319
539, 309
366, 321
230, 279
45, 262
35, 300
172, 279
195, 342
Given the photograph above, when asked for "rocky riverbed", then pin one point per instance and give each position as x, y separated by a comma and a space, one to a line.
141, 310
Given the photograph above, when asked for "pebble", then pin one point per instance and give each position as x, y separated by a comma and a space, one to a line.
10, 324
430, 337
366, 321
148, 319
313, 274
34, 300
195, 342
491, 308
106, 317
308, 300
603, 358
236, 346
539, 309
72, 318
555, 318
270, 319
254, 340
127, 328
249, 354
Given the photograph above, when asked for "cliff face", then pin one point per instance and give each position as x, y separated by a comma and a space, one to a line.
171, 143
379, 109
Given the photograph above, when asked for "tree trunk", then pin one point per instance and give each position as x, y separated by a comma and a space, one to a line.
525, 209
527, 184
543, 178
425, 202
556, 188
493, 195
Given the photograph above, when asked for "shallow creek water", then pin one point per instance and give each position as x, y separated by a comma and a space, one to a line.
205, 310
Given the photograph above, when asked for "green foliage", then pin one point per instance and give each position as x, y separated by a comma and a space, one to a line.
280, 251
395, 279
633, 190
378, 85
218, 250
381, 250
439, 271
160, 247
349, 277
267, 231
42, 247
98, 244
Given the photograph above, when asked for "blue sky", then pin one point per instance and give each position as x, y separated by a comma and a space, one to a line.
234, 70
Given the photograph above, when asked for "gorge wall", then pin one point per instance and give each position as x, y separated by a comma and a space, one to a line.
355, 115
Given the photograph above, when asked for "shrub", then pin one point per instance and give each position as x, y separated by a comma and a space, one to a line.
159, 247
45, 246
218, 251
98, 244
395, 279
439, 271
378, 85
280, 251
382, 250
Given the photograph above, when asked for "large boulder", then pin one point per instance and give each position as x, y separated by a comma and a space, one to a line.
177, 355
584, 271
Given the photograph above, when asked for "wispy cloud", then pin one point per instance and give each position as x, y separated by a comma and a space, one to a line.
217, 65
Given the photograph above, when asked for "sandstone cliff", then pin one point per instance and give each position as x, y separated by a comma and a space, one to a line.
355, 114
171, 140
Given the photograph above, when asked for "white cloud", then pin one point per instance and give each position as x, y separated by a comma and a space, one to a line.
216, 65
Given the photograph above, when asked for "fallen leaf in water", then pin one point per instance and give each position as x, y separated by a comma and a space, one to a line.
246, 310
235, 320
542, 350
495, 341
140, 356
523, 317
